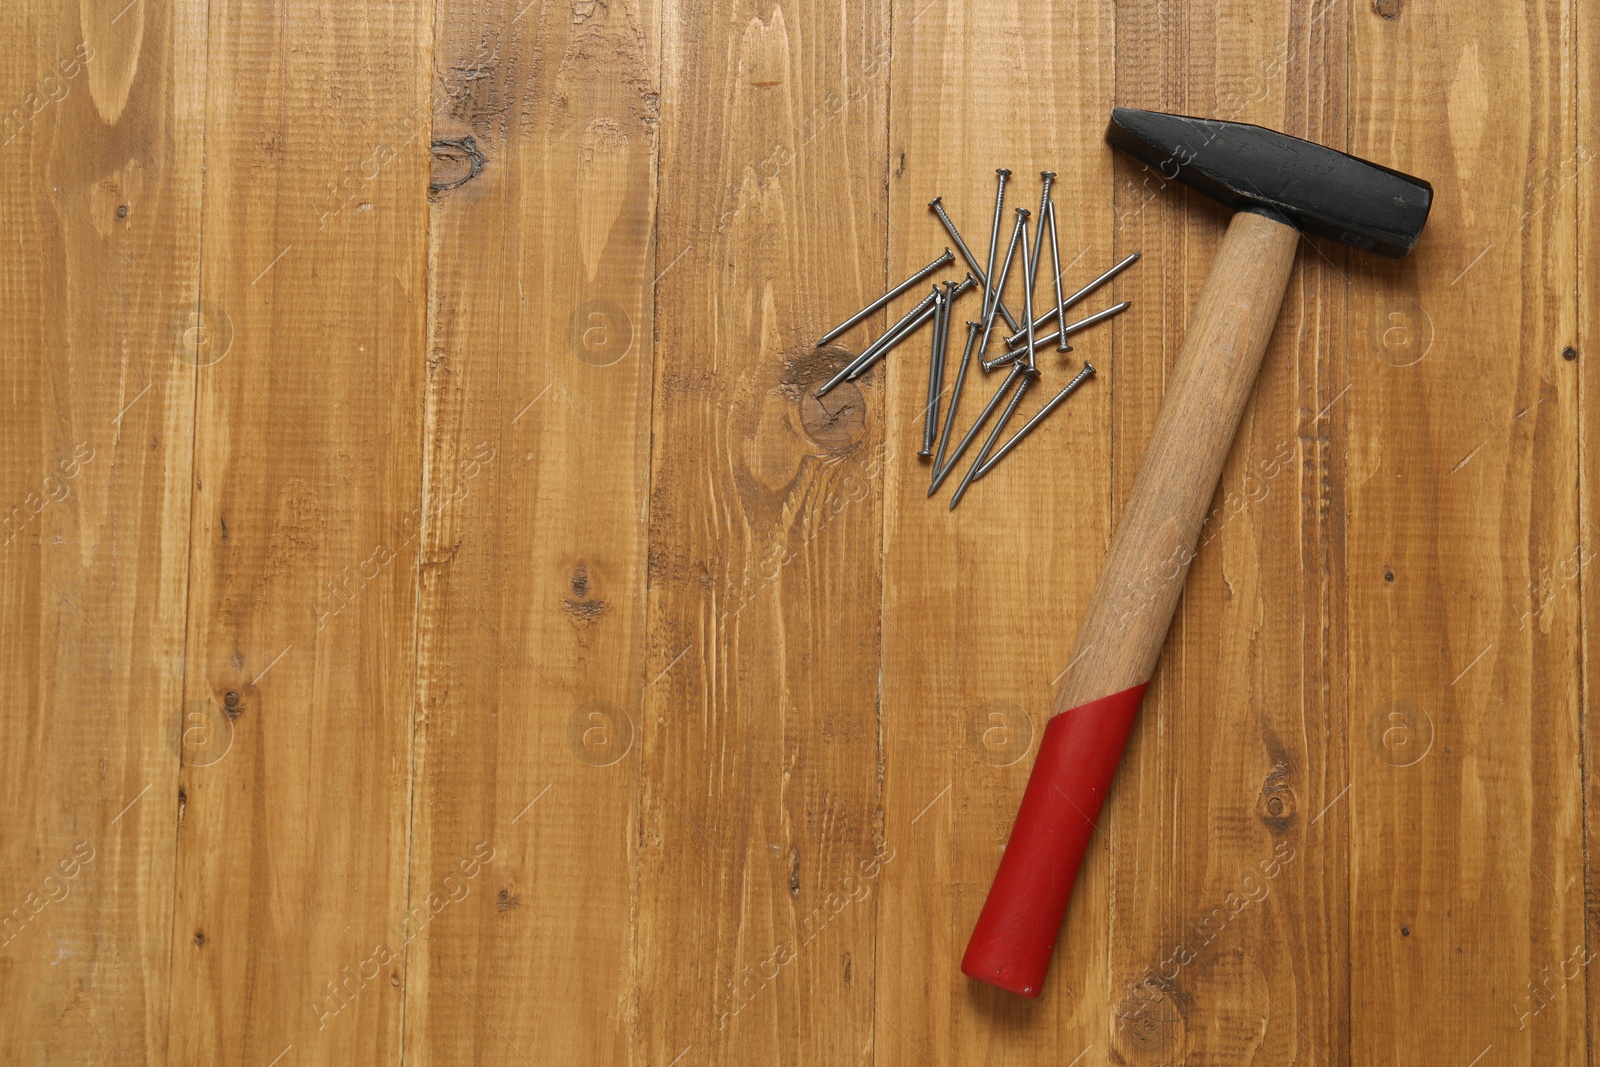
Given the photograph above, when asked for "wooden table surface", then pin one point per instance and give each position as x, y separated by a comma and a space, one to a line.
438, 628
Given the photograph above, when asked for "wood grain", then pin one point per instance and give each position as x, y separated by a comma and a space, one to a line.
100, 173
1579, 171
292, 842
1466, 856
435, 381
760, 778
531, 637
969, 652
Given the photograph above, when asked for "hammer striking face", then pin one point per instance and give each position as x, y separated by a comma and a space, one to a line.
1322, 191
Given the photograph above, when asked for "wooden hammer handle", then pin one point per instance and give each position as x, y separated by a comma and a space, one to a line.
1126, 623
1133, 603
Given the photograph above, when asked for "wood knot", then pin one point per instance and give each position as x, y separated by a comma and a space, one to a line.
1149, 1021
1387, 9
582, 606
1277, 804
836, 421
456, 161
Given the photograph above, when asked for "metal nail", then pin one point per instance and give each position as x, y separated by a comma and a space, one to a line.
994, 435
941, 332
1029, 265
891, 335
987, 365
1001, 174
864, 363
994, 402
955, 394
1005, 271
1048, 177
1081, 324
1055, 259
889, 339
1043, 320
1056, 401
966, 253
853, 320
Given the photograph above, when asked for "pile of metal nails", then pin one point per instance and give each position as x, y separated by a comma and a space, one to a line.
1021, 345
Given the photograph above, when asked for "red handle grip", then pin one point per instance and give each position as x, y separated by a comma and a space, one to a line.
1017, 930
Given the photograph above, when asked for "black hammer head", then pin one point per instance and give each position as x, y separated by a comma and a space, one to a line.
1320, 190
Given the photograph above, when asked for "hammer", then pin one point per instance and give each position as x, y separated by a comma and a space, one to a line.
1279, 187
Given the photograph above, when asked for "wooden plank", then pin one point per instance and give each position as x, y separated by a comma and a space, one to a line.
760, 827
1228, 893
291, 873
99, 201
1581, 172
531, 655
1466, 855
980, 603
